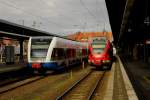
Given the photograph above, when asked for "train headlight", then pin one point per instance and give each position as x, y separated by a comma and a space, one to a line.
92, 61
106, 61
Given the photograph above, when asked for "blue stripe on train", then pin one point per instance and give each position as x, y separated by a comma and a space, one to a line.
51, 66
29, 65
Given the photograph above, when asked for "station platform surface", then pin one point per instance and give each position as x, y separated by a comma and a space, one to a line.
11, 67
139, 73
119, 86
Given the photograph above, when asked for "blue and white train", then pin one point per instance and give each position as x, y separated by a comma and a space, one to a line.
54, 53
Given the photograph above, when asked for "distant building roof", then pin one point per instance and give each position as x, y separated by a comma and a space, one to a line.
85, 36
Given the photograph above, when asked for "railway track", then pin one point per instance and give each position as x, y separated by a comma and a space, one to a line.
14, 83
46, 88
31, 79
13, 76
84, 88
19, 84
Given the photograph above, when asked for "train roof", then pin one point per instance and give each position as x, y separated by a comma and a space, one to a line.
65, 43
52, 37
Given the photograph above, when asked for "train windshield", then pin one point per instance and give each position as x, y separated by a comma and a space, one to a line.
98, 47
39, 47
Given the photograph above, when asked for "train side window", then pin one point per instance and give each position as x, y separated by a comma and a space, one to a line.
80, 52
77, 53
73, 52
58, 54
67, 53
70, 53
84, 52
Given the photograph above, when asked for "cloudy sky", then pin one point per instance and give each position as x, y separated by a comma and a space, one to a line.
57, 16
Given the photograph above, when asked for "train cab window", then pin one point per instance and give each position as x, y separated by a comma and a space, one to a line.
98, 47
39, 47
39, 53
98, 50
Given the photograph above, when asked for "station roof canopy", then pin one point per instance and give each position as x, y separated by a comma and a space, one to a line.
130, 20
12, 30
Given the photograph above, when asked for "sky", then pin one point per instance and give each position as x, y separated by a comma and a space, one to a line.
62, 17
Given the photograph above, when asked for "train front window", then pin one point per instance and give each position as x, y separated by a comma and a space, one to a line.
98, 45
98, 48
39, 47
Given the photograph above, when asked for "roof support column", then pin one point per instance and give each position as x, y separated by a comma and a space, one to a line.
21, 59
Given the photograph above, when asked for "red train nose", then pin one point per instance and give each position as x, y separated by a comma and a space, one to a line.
36, 65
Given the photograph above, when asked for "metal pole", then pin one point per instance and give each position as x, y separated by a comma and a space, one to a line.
21, 50
71, 74
82, 64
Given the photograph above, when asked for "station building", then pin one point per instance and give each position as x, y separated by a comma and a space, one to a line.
14, 44
85, 36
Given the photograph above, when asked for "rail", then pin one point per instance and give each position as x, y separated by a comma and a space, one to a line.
92, 78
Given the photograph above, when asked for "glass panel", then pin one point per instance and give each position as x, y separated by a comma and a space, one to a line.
39, 53
98, 50
58, 54
98, 45
39, 47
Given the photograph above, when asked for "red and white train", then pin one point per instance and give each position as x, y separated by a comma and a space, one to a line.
54, 53
100, 52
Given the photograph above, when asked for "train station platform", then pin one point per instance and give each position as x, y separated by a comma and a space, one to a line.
13, 67
139, 73
119, 86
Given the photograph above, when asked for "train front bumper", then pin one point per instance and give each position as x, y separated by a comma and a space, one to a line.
100, 62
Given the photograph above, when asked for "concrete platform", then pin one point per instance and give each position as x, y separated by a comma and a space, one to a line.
13, 67
139, 73
119, 86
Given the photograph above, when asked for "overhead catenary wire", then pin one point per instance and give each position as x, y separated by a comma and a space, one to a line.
103, 14
98, 22
89, 12
59, 12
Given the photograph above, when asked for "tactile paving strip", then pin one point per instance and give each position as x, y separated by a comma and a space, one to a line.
119, 92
